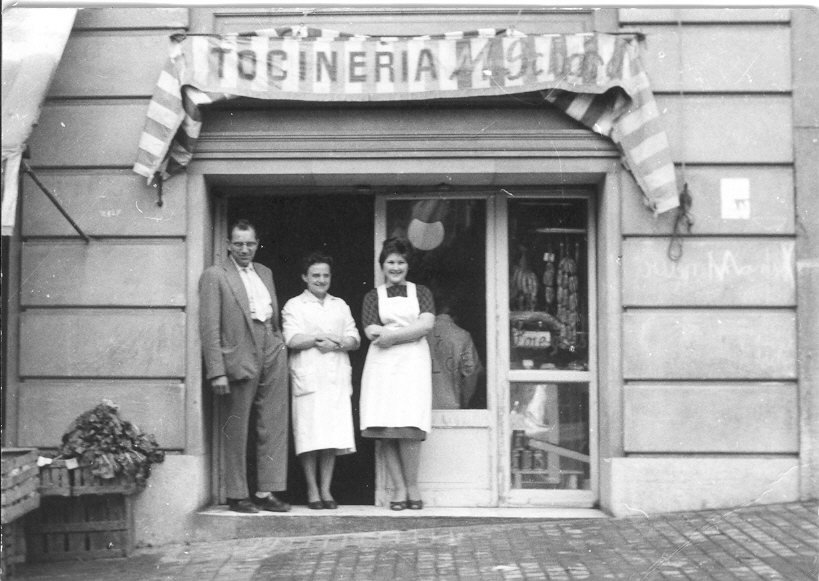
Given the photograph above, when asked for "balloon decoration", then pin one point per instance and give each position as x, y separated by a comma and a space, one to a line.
426, 229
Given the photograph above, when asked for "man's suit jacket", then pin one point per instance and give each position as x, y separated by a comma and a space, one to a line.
225, 323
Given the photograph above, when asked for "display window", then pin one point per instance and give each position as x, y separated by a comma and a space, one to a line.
550, 428
548, 285
550, 436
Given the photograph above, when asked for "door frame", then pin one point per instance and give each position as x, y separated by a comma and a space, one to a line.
506, 376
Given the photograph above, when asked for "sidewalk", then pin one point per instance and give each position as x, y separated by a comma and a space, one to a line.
763, 542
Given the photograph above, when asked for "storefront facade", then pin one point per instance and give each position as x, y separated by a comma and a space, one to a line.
678, 384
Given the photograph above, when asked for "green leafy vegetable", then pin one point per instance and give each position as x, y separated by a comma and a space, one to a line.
111, 446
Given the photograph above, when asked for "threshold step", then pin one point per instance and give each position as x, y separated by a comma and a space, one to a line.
218, 523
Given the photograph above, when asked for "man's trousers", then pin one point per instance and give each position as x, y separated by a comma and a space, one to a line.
267, 394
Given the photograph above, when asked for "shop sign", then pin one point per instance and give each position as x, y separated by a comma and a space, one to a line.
574, 72
531, 339
349, 69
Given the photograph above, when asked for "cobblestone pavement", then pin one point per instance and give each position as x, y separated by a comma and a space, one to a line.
776, 542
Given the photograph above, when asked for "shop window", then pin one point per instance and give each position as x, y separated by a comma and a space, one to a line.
548, 285
550, 435
449, 236
549, 343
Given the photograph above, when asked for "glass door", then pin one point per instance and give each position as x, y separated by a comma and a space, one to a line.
454, 251
546, 300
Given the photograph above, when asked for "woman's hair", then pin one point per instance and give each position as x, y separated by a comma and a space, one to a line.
400, 246
316, 258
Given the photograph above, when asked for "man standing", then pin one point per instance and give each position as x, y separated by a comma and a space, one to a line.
246, 364
456, 365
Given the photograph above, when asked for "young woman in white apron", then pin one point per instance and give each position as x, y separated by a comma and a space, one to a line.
319, 329
396, 387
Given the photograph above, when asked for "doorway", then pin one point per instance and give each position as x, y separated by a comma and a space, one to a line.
340, 225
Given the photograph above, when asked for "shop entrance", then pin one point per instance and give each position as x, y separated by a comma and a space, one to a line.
340, 225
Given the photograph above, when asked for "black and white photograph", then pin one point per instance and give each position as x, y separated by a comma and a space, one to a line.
415, 291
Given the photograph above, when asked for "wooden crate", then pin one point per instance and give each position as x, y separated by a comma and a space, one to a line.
13, 548
18, 483
90, 526
57, 480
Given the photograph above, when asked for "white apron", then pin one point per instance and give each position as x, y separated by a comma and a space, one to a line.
396, 387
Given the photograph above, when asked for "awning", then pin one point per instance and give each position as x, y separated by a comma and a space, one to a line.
595, 78
33, 44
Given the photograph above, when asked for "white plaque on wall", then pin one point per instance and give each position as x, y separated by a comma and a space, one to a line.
736, 198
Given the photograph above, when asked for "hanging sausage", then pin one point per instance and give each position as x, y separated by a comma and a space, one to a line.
523, 285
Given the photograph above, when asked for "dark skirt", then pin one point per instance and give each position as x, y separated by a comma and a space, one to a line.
402, 433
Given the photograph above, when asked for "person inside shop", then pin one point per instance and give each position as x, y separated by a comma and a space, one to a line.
456, 365
396, 386
246, 365
319, 330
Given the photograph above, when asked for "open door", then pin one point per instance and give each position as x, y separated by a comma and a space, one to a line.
288, 228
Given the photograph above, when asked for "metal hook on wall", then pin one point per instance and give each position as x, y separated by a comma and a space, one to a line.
158, 180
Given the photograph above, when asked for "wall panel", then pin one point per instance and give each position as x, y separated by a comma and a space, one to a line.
646, 486
711, 272
103, 274
711, 417
388, 21
130, 18
95, 65
747, 59
728, 128
771, 202
102, 343
727, 15
156, 407
88, 133
103, 203
709, 344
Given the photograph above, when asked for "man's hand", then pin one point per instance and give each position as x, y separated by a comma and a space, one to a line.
220, 385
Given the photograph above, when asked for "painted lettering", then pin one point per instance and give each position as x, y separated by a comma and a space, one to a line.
426, 64
357, 63
220, 52
466, 63
614, 68
383, 60
246, 64
559, 57
275, 65
330, 65
522, 50
591, 60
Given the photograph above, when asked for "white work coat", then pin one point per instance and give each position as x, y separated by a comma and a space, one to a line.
321, 382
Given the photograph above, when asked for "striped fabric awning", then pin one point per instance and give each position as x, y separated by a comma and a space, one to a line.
595, 78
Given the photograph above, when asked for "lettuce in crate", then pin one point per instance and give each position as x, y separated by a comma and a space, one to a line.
110, 445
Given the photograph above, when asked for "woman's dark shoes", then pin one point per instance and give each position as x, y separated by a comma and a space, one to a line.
242, 505
329, 504
398, 505
415, 504
315, 505
271, 504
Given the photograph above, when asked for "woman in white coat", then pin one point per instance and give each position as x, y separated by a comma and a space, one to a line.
319, 329
396, 387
